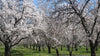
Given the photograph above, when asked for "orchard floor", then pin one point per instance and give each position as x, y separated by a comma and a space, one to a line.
20, 51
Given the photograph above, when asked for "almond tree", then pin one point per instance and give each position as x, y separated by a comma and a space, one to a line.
84, 12
44, 23
82, 9
81, 12
13, 19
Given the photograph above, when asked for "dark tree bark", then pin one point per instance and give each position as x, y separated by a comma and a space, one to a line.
30, 46
61, 47
87, 50
84, 24
93, 52
49, 49
70, 53
92, 48
26, 45
36, 47
68, 48
33, 47
7, 50
96, 48
39, 48
76, 49
57, 51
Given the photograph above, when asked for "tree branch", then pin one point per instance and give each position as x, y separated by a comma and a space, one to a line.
81, 17
17, 20
95, 20
84, 6
96, 41
18, 41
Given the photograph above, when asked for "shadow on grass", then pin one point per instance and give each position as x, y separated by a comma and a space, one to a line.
16, 53
1, 54
84, 52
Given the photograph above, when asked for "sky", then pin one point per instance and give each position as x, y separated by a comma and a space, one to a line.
35, 2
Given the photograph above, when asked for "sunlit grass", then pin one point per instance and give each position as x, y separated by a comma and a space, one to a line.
21, 51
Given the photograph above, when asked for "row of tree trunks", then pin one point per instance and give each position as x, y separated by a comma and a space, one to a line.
38, 47
25, 45
70, 49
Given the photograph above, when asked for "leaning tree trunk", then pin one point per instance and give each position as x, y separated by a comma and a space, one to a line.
7, 50
57, 51
76, 49
49, 49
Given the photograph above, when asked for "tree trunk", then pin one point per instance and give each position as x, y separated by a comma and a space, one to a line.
87, 49
70, 53
57, 52
26, 45
93, 52
49, 49
30, 46
68, 48
96, 48
61, 47
92, 48
76, 49
39, 48
43, 49
36, 47
33, 47
7, 50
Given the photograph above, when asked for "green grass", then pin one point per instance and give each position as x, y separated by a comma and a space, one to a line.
20, 51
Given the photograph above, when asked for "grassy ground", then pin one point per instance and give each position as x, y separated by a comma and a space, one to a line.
20, 51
